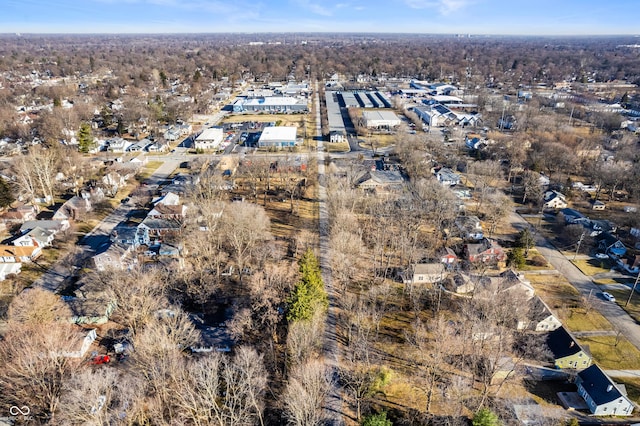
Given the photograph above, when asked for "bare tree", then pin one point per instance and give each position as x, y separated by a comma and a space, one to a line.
225, 391
305, 392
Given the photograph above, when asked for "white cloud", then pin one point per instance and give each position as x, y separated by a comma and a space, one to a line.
445, 7
316, 8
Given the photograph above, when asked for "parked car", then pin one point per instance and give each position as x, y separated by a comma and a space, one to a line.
602, 256
608, 296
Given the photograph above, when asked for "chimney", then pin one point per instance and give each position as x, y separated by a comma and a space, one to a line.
609, 388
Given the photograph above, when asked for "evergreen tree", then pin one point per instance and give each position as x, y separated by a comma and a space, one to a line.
377, 420
308, 294
485, 417
6, 196
516, 259
85, 138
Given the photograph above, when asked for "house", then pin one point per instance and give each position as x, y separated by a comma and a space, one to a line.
20, 214
484, 251
160, 227
598, 205
168, 199
54, 226
18, 254
475, 141
447, 177
469, 227
114, 257
210, 138
129, 235
7, 268
75, 208
567, 353
572, 216
515, 282
34, 237
168, 211
610, 244
554, 200
139, 146
426, 273
448, 257
157, 146
602, 395
540, 317
629, 263
118, 145
381, 181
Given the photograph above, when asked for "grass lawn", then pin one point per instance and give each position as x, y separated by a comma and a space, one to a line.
337, 146
623, 356
590, 267
633, 309
148, 169
567, 303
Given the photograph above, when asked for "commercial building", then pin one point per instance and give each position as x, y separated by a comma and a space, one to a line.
209, 138
380, 119
278, 137
271, 104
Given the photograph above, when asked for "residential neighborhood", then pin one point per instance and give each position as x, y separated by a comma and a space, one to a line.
319, 229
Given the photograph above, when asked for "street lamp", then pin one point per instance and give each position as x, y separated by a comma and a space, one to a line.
633, 289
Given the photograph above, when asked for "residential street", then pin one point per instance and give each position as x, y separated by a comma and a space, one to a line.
615, 314
97, 239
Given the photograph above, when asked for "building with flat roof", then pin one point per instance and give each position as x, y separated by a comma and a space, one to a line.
278, 136
337, 131
209, 138
380, 119
271, 104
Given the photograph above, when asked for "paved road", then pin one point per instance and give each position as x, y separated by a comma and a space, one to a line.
584, 284
96, 240
333, 404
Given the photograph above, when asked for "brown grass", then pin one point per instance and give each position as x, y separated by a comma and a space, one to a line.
611, 352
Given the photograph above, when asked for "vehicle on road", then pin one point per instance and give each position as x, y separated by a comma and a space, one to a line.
608, 296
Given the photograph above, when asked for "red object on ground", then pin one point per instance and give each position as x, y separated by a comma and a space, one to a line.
101, 359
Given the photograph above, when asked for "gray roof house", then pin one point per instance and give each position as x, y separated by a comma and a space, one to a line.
602, 395
447, 177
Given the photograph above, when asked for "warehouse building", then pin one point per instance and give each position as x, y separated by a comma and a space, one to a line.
271, 104
278, 137
337, 131
209, 138
380, 119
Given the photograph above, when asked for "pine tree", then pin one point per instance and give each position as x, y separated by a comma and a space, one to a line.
6, 196
308, 294
85, 138
485, 417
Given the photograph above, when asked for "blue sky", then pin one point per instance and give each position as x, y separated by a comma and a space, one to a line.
527, 17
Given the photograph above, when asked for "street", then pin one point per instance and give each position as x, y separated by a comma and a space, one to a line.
611, 311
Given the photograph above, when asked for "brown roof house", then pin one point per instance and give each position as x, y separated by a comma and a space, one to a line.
484, 251
75, 208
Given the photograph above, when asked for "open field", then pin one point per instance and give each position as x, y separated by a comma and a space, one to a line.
337, 146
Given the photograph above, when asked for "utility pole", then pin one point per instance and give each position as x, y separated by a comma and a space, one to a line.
633, 289
578, 248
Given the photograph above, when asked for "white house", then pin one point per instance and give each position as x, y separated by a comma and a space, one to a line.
7, 269
427, 273
554, 200
602, 395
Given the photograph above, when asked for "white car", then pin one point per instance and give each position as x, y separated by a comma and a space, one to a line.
602, 256
608, 296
